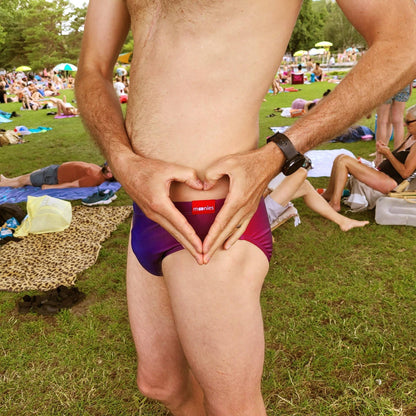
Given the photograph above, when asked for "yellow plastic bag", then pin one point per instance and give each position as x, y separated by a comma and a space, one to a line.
45, 215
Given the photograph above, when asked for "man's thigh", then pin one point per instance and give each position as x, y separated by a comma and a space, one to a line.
218, 317
158, 348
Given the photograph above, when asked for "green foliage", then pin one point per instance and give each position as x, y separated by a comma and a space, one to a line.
39, 33
308, 28
340, 31
323, 20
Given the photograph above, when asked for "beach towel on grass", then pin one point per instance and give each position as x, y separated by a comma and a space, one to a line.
15, 195
47, 261
322, 161
66, 115
4, 119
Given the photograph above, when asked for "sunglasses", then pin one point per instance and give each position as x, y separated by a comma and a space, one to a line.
407, 122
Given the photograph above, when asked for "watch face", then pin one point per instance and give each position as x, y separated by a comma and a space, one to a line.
292, 165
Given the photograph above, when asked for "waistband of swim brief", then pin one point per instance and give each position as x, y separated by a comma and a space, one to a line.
208, 206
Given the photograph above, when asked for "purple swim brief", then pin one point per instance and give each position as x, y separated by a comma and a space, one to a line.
151, 243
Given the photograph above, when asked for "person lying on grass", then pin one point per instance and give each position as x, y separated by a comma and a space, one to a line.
66, 175
279, 208
64, 108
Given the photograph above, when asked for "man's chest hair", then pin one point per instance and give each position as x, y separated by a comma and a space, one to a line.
168, 7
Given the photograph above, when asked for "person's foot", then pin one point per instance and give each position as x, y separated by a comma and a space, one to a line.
3, 180
336, 206
349, 223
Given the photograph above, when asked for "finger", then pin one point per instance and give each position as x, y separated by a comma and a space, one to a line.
188, 176
177, 225
235, 236
224, 225
212, 176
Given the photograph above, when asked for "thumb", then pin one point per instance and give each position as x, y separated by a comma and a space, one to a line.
188, 176
212, 176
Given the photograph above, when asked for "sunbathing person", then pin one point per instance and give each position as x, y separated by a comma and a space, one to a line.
279, 208
64, 108
66, 175
398, 166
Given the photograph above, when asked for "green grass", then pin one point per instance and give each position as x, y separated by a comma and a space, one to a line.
339, 309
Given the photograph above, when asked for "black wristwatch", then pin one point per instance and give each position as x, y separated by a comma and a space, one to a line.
294, 159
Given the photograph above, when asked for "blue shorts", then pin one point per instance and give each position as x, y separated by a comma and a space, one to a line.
45, 176
151, 243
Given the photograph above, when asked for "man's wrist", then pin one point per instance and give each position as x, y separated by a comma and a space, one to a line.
293, 160
276, 158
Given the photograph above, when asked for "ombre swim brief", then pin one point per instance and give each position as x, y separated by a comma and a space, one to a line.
151, 243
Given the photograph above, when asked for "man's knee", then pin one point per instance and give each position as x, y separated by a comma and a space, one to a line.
162, 386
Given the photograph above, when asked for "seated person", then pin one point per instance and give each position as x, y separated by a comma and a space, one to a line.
279, 208
66, 175
318, 72
398, 166
50, 90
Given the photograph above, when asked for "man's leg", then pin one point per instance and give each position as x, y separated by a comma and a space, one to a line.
383, 131
163, 372
397, 113
17, 182
219, 322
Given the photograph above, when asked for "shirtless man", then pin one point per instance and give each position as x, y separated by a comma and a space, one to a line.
191, 134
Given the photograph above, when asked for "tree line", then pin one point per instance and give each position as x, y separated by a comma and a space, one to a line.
42, 33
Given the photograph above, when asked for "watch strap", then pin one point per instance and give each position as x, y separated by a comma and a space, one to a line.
285, 145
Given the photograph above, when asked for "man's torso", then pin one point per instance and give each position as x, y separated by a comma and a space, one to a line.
199, 73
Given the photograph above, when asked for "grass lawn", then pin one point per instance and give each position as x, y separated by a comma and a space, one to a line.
339, 308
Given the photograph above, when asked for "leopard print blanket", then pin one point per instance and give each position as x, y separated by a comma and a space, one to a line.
47, 261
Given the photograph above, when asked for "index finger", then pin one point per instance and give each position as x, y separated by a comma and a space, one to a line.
176, 224
224, 225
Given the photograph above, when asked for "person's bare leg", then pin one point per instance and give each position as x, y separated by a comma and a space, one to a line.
163, 372
218, 317
288, 188
318, 204
337, 181
16, 182
397, 113
344, 165
383, 131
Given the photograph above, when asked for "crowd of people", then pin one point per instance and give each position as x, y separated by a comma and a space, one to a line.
39, 90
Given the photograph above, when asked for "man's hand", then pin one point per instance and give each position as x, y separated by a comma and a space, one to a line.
249, 174
148, 182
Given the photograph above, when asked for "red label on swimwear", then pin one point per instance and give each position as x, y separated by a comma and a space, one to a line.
203, 207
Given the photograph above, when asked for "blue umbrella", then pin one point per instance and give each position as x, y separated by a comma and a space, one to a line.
65, 67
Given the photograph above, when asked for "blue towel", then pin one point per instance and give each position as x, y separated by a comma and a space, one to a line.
4, 119
14, 195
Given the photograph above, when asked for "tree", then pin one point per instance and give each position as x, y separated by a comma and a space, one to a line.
39, 33
308, 28
339, 30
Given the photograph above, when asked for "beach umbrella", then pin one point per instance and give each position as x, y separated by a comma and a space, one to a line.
23, 68
121, 71
65, 67
313, 52
300, 53
125, 58
323, 44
